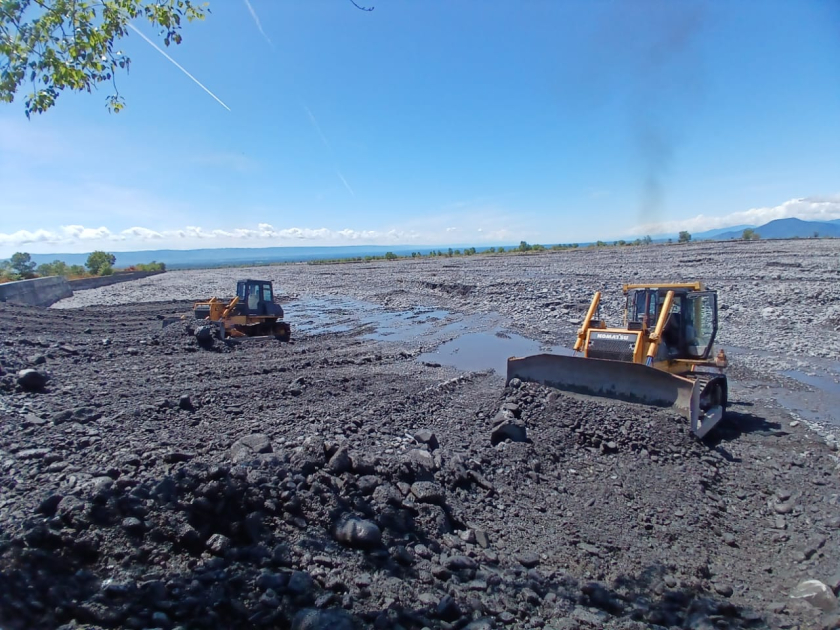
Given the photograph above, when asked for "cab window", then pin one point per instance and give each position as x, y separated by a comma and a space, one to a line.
701, 324
266, 294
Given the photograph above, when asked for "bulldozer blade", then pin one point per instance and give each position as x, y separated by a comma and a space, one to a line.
618, 380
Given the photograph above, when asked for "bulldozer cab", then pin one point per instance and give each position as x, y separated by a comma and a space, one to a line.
691, 325
256, 297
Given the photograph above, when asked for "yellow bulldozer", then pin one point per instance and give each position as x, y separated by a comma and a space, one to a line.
251, 313
662, 355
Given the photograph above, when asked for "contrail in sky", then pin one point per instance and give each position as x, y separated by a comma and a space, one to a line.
317, 127
329, 147
344, 181
179, 66
257, 22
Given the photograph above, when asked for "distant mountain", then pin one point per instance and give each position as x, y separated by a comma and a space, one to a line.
788, 228
714, 234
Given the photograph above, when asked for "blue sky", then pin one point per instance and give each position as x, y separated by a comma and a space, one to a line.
470, 122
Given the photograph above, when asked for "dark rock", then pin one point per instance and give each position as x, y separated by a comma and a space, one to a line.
132, 525
510, 409
218, 544
33, 420
173, 457
783, 508
31, 380
513, 430
328, 619
310, 456
428, 492
33, 453
189, 538
601, 598
185, 403
402, 555
300, 583
247, 447
364, 464
37, 359
448, 609
589, 618
419, 464
340, 462
49, 506
69, 505
723, 589
461, 563
441, 573
528, 559
205, 333
368, 484
358, 532
427, 437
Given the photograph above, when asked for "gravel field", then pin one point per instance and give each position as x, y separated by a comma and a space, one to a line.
361, 476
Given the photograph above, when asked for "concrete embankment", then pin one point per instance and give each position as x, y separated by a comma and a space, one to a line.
36, 292
47, 291
83, 284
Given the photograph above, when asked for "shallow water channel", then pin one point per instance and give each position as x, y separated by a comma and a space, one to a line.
481, 342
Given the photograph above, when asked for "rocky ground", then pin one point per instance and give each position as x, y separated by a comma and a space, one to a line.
338, 482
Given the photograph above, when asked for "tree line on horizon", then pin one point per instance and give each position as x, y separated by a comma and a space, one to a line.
20, 266
100, 263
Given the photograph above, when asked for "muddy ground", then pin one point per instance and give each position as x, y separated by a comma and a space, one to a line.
351, 478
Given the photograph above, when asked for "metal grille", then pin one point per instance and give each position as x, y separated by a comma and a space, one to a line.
614, 349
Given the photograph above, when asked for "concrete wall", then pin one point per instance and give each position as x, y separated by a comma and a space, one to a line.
103, 281
36, 292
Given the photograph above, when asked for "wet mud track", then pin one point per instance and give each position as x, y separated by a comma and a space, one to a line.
348, 480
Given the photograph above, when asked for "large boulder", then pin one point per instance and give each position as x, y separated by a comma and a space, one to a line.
249, 446
815, 593
358, 532
310, 456
31, 380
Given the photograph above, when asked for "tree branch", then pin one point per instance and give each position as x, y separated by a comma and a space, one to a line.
361, 8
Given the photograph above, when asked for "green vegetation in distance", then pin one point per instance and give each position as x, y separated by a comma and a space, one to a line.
684, 237
524, 247
750, 234
99, 263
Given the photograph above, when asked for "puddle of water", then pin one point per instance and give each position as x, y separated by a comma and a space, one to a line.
403, 326
825, 384
339, 314
821, 405
486, 351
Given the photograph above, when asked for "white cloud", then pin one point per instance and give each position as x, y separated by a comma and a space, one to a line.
141, 233
79, 237
808, 209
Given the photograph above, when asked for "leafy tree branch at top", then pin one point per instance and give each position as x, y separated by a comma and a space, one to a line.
49, 46
57, 45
